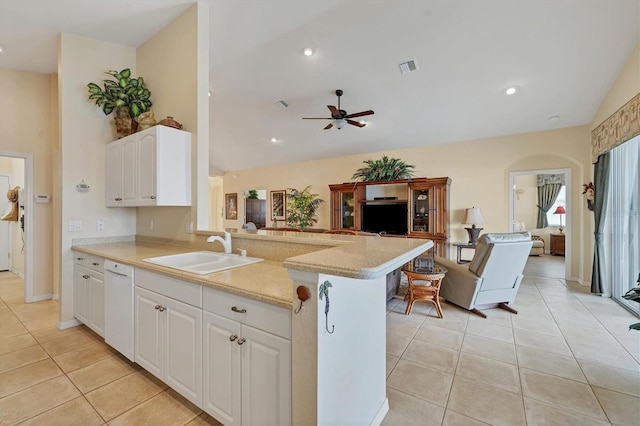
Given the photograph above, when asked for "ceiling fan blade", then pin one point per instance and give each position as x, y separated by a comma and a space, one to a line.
334, 111
328, 126
317, 118
356, 123
359, 114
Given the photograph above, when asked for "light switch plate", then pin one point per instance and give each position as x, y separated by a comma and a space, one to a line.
75, 225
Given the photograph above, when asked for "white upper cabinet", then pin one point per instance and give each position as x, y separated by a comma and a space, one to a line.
149, 168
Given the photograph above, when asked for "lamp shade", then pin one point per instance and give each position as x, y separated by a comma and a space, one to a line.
473, 216
560, 210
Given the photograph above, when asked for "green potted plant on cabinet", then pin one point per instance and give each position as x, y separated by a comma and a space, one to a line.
125, 95
302, 207
385, 169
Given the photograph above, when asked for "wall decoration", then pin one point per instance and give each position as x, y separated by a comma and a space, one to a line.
278, 205
231, 206
590, 193
621, 126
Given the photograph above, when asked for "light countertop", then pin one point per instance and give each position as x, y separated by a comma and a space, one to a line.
354, 257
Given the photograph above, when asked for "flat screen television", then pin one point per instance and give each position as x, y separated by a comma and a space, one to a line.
387, 218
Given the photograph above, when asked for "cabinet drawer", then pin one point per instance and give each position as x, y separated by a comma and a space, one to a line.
89, 261
183, 291
264, 316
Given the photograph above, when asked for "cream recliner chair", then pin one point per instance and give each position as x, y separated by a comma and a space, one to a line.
493, 276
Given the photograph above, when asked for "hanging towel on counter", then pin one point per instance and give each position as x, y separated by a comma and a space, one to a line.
12, 211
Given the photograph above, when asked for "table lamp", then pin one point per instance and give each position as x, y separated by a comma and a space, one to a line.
560, 210
473, 216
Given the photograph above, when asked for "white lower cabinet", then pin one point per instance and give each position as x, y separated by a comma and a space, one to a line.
247, 371
169, 342
88, 291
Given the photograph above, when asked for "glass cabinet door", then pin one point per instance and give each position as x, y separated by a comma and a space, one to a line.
420, 210
347, 210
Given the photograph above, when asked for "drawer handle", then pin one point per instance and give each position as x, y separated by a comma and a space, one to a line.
160, 308
80, 258
95, 263
153, 197
241, 340
233, 337
118, 199
240, 311
86, 277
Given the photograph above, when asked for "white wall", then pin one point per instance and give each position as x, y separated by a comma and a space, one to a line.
525, 204
84, 131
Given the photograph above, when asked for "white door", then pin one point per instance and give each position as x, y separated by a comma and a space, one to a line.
113, 175
96, 303
147, 170
266, 378
183, 359
149, 327
221, 369
81, 294
5, 242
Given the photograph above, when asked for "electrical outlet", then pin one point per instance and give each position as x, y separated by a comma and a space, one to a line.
75, 225
100, 224
188, 227
150, 224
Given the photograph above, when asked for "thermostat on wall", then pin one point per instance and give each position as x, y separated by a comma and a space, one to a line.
42, 198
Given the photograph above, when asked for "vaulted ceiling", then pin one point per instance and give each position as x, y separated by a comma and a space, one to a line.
561, 56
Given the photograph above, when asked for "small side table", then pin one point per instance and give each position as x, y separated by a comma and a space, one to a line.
414, 270
461, 246
557, 244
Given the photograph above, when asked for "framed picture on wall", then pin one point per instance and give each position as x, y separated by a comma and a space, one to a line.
231, 206
278, 205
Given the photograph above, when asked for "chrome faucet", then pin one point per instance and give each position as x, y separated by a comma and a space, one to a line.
226, 241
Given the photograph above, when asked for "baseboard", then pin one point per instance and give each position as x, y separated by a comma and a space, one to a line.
68, 324
21, 275
39, 298
379, 417
55, 296
581, 281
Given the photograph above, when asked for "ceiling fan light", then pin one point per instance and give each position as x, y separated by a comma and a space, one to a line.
341, 123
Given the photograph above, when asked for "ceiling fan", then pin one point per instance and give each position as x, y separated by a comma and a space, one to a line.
340, 116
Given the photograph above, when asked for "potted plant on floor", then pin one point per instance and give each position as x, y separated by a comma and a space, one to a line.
125, 95
634, 294
302, 207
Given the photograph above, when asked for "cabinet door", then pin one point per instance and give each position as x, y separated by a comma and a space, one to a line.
129, 193
266, 378
183, 359
148, 331
81, 294
96, 303
147, 170
113, 174
221, 369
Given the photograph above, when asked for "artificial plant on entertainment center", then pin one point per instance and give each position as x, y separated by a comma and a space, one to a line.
302, 207
125, 95
385, 169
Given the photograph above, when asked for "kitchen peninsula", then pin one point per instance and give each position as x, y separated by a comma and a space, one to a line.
330, 367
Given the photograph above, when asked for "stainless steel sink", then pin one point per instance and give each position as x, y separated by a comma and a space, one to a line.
202, 262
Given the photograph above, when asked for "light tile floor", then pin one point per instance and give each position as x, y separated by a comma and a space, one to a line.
565, 359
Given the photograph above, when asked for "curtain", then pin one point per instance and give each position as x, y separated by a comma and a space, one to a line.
548, 189
601, 184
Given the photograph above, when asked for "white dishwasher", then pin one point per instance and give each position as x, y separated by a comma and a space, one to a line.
118, 307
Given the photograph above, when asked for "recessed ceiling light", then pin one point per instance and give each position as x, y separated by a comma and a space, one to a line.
307, 51
274, 140
1, 48
510, 91
209, 92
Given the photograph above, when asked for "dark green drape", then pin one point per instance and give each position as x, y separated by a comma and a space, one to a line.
547, 195
601, 184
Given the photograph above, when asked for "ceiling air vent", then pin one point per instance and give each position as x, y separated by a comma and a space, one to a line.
408, 66
282, 104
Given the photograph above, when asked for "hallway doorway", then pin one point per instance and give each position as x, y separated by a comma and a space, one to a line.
523, 212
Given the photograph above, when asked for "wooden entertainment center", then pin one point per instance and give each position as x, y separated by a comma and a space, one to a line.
361, 206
